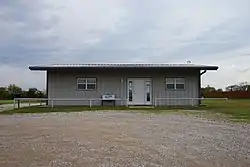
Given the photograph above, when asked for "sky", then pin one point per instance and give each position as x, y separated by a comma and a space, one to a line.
209, 32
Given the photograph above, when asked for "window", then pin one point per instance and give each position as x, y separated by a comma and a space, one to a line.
147, 91
86, 83
130, 96
175, 83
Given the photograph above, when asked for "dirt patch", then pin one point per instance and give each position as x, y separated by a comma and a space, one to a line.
121, 139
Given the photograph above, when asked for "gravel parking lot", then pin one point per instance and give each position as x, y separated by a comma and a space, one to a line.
4, 107
121, 139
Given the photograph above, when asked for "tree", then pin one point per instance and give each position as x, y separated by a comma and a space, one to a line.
206, 90
248, 88
243, 86
8, 92
24, 94
209, 89
40, 94
4, 93
230, 88
12, 88
219, 90
32, 92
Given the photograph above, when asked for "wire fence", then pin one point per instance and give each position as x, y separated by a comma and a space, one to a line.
29, 101
182, 101
70, 101
100, 102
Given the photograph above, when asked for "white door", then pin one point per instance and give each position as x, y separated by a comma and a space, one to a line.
139, 91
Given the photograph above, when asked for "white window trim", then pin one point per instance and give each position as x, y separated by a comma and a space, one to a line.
86, 83
175, 83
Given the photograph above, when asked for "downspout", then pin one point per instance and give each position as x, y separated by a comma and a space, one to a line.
122, 100
203, 72
47, 90
199, 92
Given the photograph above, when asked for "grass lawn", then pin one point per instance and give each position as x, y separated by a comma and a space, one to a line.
6, 102
236, 110
43, 109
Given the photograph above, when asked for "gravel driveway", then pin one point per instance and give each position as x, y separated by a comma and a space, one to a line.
121, 139
4, 107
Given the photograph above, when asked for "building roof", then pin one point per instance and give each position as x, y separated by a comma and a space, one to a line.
121, 65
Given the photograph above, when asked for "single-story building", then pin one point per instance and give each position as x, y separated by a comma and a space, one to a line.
124, 84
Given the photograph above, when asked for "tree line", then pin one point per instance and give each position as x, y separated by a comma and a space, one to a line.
241, 90
208, 91
243, 87
8, 93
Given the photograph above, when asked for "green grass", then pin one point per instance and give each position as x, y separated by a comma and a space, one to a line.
6, 102
42, 109
235, 110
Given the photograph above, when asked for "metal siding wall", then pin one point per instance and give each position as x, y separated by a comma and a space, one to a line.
63, 85
191, 90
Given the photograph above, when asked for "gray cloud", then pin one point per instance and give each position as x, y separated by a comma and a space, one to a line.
125, 31
25, 37
224, 37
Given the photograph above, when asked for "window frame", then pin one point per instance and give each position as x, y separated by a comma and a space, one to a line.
86, 83
175, 83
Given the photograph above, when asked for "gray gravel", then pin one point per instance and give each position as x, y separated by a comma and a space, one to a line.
121, 139
4, 107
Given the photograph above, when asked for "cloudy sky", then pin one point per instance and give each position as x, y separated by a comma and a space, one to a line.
143, 31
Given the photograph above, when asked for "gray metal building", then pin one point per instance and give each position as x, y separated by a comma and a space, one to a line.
127, 84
